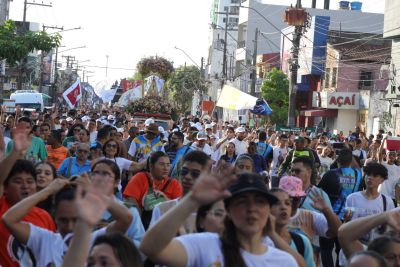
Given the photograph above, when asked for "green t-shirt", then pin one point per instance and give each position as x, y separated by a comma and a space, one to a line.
36, 152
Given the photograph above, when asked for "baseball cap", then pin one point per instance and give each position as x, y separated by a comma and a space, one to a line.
153, 128
69, 119
149, 121
292, 185
240, 130
201, 136
111, 117
208, 126
249, 182
299, 138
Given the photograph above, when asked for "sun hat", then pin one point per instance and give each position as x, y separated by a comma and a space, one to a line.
249, 182
292, 185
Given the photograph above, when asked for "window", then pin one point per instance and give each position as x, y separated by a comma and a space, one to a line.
327, 77
334, 77
223, 20
365, 81
235, 1
226, 8
234, 10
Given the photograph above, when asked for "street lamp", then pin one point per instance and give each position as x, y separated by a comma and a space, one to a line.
191, 59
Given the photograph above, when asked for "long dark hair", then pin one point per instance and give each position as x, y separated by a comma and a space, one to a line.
231, 245
123, 248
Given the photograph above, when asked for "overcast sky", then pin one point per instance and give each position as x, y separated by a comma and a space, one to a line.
127, 30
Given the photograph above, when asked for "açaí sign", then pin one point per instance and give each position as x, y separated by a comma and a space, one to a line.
337, 100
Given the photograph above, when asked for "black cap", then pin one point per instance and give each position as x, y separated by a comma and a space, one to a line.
250, 182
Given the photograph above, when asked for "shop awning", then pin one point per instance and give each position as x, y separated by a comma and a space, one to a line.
328, 113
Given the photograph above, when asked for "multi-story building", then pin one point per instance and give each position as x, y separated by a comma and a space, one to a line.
219, 24
392, 32
353, 82
255, 15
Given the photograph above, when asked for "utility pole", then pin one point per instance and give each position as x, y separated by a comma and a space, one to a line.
254, 72
294, 66
224, 67
107, 65
44, 27
24, 29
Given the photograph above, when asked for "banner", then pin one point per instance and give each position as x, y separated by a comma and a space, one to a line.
128, 85
73, 94
232, 98
129, 96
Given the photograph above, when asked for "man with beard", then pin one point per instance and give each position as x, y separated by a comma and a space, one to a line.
240, 144
201, 143
176, 151
193, 164
143, 145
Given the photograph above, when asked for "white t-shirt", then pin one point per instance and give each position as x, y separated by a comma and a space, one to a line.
49, 248
315, 221
277, 151
93, 137
362, 207
123, 163
388, 186
241, 146
204, 249
206, 149
326, 163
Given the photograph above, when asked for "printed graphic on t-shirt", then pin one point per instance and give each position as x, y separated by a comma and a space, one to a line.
20, 253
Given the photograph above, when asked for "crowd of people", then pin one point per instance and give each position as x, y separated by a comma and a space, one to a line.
91, 188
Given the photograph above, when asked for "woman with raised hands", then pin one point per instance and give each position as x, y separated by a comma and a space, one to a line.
242, 244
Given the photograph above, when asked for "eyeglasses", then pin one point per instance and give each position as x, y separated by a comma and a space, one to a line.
194, 173
112, 145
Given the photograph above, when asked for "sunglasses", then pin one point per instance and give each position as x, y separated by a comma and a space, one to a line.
194, 173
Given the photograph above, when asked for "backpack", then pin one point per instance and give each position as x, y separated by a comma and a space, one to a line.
150, 200
298, 242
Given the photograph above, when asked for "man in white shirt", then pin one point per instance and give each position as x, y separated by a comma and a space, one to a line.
391, 186
201, 145
279, 153
92, 131
240, 144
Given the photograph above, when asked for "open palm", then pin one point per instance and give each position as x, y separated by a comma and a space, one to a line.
21, 140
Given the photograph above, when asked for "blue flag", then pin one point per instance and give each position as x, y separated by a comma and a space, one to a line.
261, 108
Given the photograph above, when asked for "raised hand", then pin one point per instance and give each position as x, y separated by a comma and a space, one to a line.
93, 201
271, 225
213, 186
318, 200
56, 185
21, 140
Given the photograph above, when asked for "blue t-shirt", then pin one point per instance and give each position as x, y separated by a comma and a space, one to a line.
338, 184
75, 168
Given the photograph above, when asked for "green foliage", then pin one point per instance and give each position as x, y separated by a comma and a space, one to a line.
155, 65
275, 90
151, 104
184, 82
14, 47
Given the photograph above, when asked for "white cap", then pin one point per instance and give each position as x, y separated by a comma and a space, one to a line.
111, 117
161, 129
198, 126
201, 136
208, 126
148, 122
120, 130
240, 130
69, 119
213, 123
85, 118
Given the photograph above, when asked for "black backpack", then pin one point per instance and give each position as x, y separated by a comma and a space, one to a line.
299, 243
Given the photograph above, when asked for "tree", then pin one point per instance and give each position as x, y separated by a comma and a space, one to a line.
275, 90
184, 82
14, 47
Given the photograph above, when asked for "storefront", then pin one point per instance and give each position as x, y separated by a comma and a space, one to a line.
336, 111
